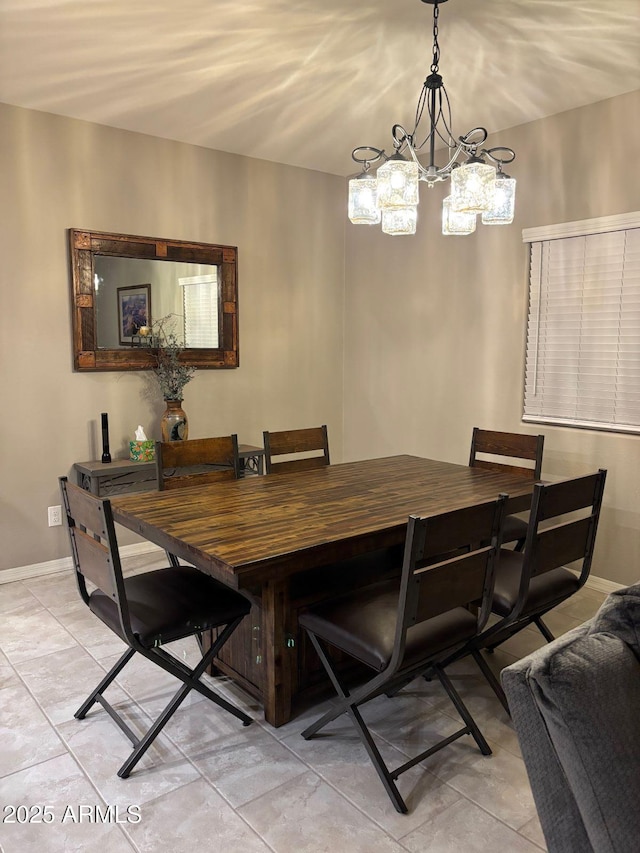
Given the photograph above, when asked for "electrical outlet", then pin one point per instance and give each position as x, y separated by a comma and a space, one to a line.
55, 516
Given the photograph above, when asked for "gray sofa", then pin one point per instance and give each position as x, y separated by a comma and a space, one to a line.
575, 705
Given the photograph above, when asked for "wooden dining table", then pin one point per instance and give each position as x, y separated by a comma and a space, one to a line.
287, 541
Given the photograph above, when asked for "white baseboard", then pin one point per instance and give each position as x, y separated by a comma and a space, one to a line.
603, 585
65, 564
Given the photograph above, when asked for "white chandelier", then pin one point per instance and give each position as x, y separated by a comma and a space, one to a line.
477, 187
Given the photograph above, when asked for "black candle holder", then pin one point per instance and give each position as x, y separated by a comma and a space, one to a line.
106, 456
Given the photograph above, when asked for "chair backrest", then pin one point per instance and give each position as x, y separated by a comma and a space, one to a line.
507, 444
462, 578
296, 441
197, 461
564, 538
94, 547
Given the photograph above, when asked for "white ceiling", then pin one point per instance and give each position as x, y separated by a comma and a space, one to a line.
305, 81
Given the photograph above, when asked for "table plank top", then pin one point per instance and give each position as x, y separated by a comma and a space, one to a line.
247, 531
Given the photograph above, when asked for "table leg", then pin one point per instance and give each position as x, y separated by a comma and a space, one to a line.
279, 652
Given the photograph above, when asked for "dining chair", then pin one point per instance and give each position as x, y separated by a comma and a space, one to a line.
508, 445
196, 462
296, 441
146, 611
400, 627
530, 583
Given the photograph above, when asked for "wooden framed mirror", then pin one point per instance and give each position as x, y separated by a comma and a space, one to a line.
119, 281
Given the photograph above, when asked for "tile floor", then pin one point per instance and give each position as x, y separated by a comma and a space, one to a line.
211, 783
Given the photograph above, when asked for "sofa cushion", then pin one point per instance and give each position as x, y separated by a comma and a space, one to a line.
558, 811
579, 698
590, 700
620, 615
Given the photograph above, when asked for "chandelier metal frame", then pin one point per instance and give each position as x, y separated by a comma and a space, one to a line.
407, 146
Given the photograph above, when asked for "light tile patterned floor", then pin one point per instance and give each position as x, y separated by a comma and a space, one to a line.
211, 783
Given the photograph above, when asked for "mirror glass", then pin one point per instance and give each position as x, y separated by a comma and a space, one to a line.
131, 293
122, 284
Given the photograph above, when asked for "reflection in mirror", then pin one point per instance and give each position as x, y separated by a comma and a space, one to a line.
121, 283
188, 292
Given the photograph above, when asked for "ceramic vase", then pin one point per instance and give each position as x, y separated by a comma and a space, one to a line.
174, 424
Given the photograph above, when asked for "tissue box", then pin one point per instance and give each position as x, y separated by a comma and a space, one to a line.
142, 451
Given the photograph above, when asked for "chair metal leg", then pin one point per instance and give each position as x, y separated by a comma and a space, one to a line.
494, 684
518, 626
501, 636
462, 709
546, 633
340, 707
349, 704
346, 699
191, 676
153, 732
190, 679
490, 649
386, 777
93, 697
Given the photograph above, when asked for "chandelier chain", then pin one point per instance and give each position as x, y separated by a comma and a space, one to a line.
436, 47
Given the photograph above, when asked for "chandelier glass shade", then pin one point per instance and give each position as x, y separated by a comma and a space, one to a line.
473, 187
391, 196
363, 200
400, 220
398, 183
456, 222
503, 202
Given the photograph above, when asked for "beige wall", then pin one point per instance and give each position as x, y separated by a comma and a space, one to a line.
288, 224
435, 326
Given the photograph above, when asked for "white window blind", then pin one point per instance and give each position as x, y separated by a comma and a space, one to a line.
200, 303
583, 335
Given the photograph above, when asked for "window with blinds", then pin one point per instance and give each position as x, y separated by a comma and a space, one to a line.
200, 305
583, 336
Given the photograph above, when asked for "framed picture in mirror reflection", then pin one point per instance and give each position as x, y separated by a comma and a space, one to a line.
134, 312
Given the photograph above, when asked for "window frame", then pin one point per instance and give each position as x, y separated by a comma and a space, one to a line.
542, 236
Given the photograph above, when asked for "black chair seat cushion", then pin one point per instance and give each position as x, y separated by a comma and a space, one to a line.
513, 529
168, 604
546, 589
364, 626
